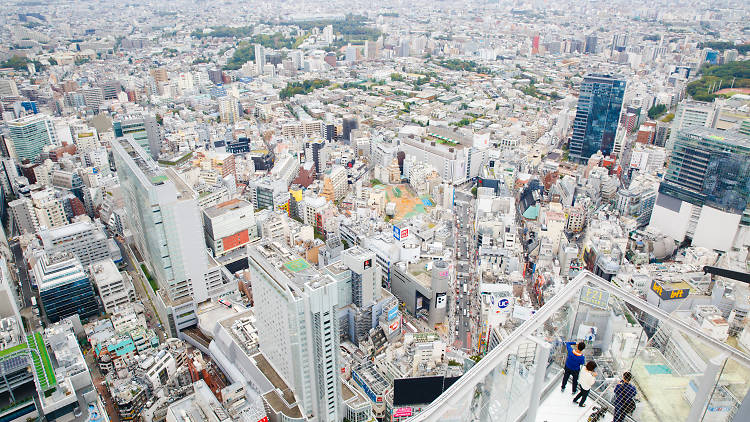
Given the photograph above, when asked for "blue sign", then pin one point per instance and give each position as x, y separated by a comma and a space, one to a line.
392, 313
364, 386
400, 234
503, 303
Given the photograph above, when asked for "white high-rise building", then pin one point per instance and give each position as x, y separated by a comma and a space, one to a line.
339, 181
29, 135
8, 88
113, 289
365, 275
164, 217
328, 34
260, 58
229, 109
49, 209
691, 114
85, 239
295, 309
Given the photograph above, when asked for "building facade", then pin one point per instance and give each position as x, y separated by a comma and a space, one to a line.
597, 117
295, 307
64, 287
29, 135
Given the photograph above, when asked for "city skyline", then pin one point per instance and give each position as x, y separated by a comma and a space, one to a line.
311, 211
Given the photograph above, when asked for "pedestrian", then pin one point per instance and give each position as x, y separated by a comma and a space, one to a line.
624, 397
573, 363
586, 381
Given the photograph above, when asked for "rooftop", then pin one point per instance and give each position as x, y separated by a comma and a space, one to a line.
277, 257
184, 191
224, 207
273, 399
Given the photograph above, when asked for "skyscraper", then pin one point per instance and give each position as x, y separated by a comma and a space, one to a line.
365, 275
705, 191
295, 307
597, 116
692, 114
144, 129
164, 217
64, 287
591, 41
29, 135
260, 58
620, 42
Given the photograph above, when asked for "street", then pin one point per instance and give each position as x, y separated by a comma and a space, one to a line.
152, 320
466, 311
23, 272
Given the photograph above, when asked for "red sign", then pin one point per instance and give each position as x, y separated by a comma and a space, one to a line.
402, 412
234, 240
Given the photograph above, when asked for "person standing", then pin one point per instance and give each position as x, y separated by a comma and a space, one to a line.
586, 381
624, 399
573, 363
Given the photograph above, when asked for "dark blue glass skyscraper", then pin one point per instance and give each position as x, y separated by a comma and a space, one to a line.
597, 117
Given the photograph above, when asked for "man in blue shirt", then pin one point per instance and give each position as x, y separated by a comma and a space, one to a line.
573, 363
624, 397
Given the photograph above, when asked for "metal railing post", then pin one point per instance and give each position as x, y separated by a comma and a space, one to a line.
706, 385
542, 357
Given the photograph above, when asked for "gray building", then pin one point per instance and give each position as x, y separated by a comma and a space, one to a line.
423, 287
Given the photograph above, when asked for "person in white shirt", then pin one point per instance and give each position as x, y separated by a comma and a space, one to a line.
585, 381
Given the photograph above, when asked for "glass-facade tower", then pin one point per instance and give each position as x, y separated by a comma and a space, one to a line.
597, 116
64, 287
710, 167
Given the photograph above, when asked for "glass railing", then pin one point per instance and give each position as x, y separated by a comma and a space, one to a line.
679, 372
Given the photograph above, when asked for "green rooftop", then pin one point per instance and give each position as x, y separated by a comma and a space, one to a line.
37, 351
297, 265
12, 350
157, 180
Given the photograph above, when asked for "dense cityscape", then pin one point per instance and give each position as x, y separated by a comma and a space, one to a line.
355, 211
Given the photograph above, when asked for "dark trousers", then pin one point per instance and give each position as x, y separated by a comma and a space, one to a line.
583, 395
568, 373
619, 414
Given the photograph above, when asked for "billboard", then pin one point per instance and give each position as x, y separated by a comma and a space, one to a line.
666, 293
399, 233
392, 313
440, 300
402, 412
594, 297
235, 240
394, 325
367, 264
364, 386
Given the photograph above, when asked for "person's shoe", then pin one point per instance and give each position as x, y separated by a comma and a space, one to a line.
562, 390
574, 392
575, 402
581, 405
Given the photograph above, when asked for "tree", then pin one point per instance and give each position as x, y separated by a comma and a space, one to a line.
656, 111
